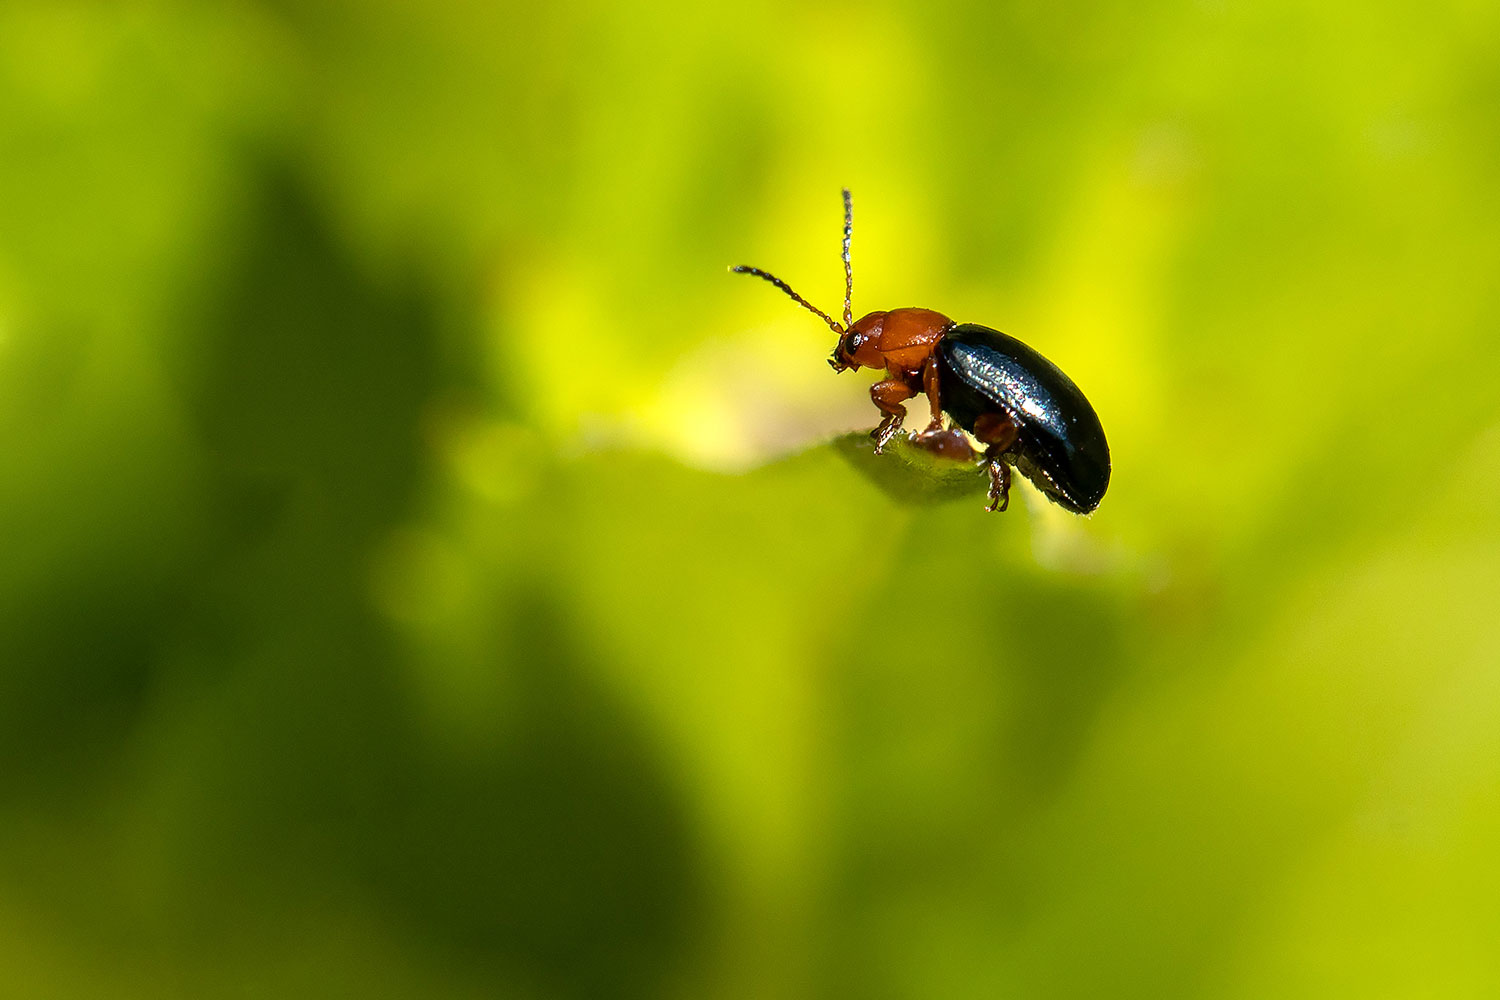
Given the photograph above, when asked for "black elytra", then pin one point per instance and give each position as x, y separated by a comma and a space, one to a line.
1060, 445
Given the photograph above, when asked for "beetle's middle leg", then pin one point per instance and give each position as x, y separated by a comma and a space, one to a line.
930, 386
952, 443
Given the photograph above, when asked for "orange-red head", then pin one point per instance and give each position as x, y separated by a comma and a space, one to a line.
899, 339
859, 346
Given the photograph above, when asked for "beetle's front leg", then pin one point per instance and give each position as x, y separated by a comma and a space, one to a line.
888, 395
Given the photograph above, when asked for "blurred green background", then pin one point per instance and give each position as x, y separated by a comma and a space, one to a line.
423, 570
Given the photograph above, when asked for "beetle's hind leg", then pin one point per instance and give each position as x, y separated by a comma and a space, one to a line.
998, 431
999, 482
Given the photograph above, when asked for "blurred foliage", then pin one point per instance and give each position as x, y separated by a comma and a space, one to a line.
424, 571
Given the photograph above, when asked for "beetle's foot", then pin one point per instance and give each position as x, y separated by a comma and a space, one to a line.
999, 486
887, 430
952, 444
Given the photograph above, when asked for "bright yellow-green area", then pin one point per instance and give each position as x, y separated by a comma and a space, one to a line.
425, 571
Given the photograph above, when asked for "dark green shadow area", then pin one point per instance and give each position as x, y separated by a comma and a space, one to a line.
258, 710
911, 475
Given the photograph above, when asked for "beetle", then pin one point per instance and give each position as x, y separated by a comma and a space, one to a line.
1017, 404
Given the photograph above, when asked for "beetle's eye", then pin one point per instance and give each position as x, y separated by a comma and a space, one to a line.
851, 343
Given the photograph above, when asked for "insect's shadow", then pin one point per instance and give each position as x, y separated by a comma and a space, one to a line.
909, 474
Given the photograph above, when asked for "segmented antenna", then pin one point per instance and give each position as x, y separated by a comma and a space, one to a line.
742, 269
848, 267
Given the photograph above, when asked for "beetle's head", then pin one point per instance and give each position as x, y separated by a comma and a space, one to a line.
858, 346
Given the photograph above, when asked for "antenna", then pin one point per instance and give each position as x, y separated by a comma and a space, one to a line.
848, 267
742, 269
848, 277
